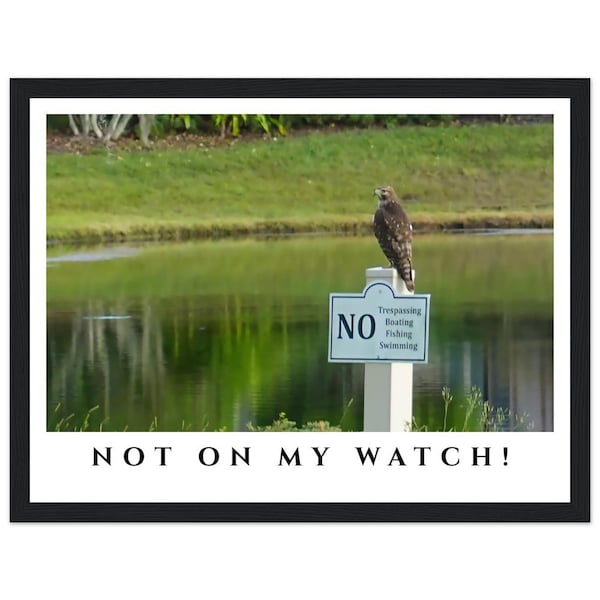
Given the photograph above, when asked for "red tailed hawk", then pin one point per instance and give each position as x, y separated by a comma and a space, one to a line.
394, 233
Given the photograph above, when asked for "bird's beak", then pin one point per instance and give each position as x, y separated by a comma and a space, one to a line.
377, 192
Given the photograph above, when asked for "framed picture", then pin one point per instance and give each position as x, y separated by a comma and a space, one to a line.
170, 283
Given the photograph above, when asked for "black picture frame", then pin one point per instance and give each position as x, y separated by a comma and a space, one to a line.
23, 510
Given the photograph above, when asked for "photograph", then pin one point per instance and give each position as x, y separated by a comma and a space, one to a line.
190, 262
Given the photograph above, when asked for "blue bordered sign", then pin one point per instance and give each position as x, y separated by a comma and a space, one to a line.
378, 326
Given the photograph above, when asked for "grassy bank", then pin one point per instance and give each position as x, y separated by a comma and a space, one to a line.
485, 175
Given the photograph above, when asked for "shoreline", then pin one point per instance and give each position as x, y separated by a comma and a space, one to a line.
348, 226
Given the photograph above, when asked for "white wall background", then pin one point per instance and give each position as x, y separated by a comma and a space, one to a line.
308, 39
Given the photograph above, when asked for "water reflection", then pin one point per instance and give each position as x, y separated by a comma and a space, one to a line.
199, 356
510, 362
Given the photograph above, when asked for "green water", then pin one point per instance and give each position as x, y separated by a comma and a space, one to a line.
213, 335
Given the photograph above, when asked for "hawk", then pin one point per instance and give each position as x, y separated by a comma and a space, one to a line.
394, 233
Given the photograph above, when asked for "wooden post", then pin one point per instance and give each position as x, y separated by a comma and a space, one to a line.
388, 386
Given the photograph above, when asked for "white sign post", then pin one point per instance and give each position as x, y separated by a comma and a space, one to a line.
387, 328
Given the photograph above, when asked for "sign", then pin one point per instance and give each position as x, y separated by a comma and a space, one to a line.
378, 326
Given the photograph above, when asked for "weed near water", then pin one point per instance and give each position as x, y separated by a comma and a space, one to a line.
63, 421
282, 423
477, 414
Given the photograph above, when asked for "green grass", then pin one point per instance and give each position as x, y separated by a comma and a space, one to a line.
460, 176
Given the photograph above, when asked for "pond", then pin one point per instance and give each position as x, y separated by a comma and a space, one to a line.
214, 335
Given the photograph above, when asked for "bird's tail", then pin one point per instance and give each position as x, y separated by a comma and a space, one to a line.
405, 272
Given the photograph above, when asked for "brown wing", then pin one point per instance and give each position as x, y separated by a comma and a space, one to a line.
394, 234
